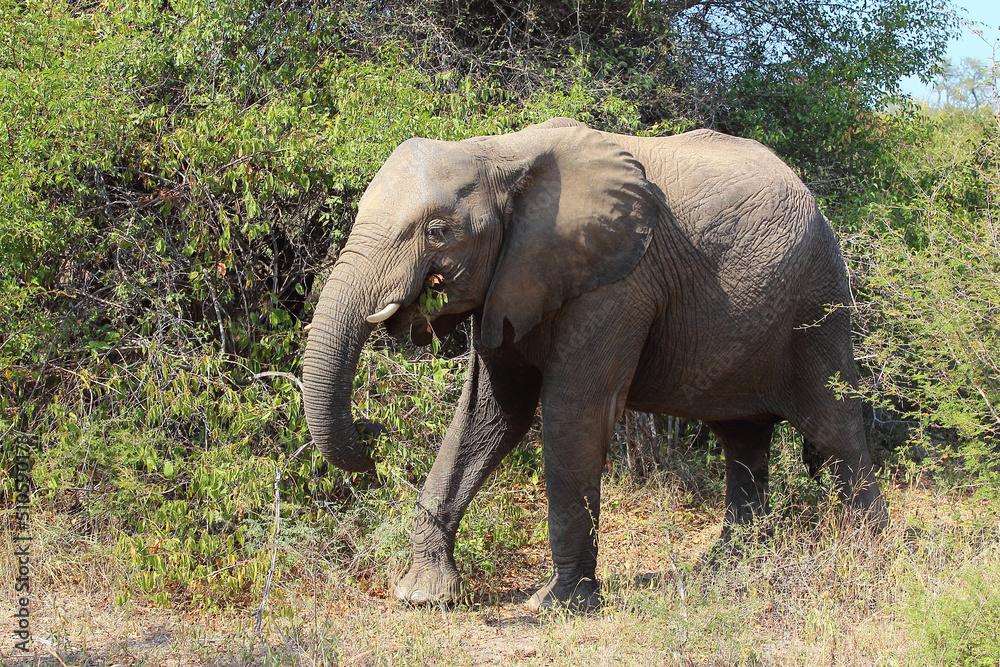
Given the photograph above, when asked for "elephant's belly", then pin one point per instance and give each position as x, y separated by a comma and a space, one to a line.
716, 378
704, 407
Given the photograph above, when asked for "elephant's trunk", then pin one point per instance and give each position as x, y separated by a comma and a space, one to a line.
336, 336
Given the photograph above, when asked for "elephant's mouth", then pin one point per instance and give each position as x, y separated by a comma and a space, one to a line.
411, 316
399, 324
413, 320
420, 328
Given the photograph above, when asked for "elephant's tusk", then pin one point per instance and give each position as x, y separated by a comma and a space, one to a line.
307, 327
384, 314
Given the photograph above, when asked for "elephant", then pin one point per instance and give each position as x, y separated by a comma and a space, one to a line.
690, 275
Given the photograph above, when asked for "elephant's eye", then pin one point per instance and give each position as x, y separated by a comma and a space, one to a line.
437, 233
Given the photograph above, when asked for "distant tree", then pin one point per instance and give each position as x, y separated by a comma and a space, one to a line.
967, 85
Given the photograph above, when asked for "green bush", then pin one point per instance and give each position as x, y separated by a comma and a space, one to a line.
928, 273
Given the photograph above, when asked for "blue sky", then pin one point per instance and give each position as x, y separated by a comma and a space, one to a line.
986, 15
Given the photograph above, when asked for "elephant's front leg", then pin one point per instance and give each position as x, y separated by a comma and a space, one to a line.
496, 409
575, 450
596, 345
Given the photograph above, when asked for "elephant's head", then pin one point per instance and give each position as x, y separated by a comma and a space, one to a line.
514, 225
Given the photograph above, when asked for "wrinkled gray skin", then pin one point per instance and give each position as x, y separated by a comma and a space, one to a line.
691, 275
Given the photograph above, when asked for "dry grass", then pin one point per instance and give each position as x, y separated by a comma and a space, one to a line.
818, 592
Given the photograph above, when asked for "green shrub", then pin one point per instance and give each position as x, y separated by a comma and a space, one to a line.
929, 289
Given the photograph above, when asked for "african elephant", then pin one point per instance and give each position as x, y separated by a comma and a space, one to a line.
691, 275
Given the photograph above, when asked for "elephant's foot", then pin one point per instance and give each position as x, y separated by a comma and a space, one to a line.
579, 594
429, 583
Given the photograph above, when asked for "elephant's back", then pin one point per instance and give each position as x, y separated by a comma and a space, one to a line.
744, 212
723, 188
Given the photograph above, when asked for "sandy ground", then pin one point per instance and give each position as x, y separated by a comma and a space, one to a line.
662, 606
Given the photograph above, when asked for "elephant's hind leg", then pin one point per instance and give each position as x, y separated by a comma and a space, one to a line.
835, 432
747, 445
496, 409
832, 425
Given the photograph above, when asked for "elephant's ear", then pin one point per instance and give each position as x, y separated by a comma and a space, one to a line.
580, 215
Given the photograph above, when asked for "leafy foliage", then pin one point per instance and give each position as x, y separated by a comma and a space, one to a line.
929, 266
966, 85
